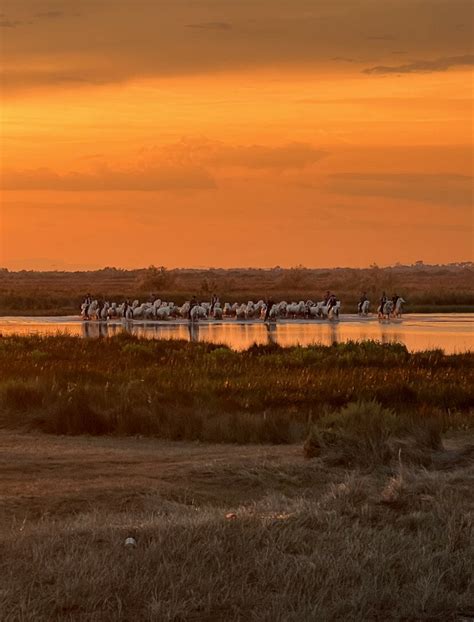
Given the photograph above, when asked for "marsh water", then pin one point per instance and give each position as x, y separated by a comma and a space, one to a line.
452, 332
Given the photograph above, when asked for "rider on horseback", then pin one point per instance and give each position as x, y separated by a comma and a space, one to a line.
363, 298
332, 301
86, 305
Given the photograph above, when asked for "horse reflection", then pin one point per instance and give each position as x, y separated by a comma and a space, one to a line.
193, 329
272, 338
333, 334
95, 329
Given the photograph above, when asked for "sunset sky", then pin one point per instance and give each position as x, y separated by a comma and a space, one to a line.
235, 132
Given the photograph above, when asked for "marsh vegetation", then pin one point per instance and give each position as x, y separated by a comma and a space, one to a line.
199, 391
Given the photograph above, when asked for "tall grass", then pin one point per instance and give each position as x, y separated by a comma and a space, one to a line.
184, 391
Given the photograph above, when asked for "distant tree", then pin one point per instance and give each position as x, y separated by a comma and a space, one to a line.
157, 279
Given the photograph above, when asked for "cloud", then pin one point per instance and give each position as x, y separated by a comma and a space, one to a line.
68, 77
381, 38
215, 154
424, 66
144, 180
289, 156
49, 14
211, 25
343, 59
122, 41
8, 23
446, 189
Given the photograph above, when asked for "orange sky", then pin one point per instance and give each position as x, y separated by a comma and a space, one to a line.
236, 133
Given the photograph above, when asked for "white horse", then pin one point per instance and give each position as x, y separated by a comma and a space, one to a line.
241, 312
329, 312
198, 312
227, 310
163, 313
314, 309
387, 310
251, 310
296, 309
397, 312
364, 308
104, 312
141, 311
112, 311
89, 311
217, 311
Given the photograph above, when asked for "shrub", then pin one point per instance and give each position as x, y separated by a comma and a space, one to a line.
356, 434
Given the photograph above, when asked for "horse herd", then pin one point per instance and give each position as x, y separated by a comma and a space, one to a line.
163, 310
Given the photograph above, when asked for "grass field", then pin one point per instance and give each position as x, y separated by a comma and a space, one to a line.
229, 533
299, 484
425, 288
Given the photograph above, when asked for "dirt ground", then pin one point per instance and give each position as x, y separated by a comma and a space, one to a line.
48, 475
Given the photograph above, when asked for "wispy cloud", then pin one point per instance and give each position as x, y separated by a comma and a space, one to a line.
172, 178
211, 25
441, 189
49, 14
381, 38
216, 154
8, 23
423, 66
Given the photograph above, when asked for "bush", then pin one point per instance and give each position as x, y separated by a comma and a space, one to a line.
359, 433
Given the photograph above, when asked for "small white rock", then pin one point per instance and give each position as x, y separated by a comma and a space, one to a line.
130, 542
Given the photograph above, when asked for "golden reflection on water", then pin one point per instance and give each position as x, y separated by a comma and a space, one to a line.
450, 332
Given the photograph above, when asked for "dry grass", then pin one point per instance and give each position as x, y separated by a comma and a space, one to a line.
227, 534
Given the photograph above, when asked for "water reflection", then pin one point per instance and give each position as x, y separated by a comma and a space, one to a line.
272, 338
450, 332
193, 328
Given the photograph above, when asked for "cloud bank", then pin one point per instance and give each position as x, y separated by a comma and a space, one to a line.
424, 66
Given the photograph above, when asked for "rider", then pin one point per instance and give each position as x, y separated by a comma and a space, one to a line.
394, 300
383, 300
327, 297
269, 305
87, 304
363, 299
331, 302
193, 303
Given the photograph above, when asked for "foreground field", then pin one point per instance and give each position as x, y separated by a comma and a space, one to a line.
229, 533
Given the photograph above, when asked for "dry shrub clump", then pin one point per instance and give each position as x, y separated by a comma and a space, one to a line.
367, 434
359, 433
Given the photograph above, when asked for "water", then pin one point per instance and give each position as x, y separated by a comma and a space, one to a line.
453, 332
